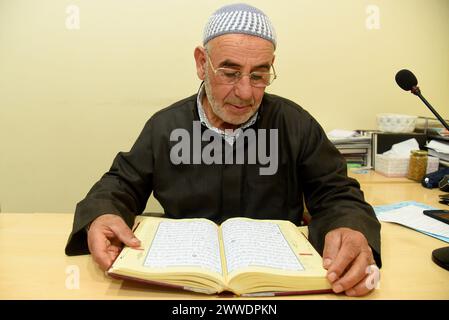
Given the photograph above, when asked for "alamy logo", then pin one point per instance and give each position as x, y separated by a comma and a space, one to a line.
261, 147
72, 21
372, 21
372, 281
72, 280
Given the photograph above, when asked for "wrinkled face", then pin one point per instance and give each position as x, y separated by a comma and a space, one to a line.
229, 105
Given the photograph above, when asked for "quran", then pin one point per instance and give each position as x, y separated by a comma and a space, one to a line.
244, 256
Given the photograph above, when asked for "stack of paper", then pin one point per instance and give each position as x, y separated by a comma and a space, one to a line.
410, 214
355, 146
439, 149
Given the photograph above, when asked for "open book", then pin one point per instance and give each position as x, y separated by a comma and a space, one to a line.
243, 256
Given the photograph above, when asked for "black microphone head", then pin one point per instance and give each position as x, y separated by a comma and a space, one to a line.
406, 79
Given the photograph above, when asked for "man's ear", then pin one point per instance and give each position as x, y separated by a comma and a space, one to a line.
200, 60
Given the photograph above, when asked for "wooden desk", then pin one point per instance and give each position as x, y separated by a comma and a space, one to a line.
33, 264
380, 190
372, 176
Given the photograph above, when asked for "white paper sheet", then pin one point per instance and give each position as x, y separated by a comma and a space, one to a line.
439, 146
412, 216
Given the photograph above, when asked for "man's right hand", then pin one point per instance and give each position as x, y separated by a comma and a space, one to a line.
106, 237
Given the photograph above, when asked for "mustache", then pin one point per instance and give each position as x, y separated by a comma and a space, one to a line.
238, 102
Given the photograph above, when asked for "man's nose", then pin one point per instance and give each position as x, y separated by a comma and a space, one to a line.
243, 88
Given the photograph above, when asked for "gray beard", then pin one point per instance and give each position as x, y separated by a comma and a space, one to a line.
215, 109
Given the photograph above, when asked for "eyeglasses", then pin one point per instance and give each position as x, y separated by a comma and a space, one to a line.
231, 76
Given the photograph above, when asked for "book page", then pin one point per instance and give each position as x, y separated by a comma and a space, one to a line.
185, 243
256, 243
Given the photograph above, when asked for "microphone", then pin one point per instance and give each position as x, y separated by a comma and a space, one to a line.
407, 81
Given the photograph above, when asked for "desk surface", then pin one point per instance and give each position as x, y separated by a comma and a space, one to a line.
371, 176
33, 264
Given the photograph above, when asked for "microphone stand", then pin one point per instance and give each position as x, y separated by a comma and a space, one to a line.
417, 92
439, 256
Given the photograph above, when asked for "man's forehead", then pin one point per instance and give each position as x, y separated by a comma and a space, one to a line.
246, 46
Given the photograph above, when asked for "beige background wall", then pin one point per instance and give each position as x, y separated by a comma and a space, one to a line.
70, 99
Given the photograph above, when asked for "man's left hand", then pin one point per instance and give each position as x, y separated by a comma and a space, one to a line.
347, 257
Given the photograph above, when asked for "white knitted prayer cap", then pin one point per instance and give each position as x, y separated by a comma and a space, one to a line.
239, 18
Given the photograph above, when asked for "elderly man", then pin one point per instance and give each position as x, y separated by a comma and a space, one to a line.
236, 65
